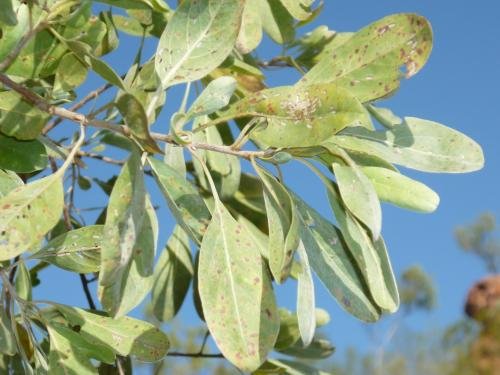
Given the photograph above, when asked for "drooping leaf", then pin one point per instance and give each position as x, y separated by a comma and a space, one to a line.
418, 144
174, 157
27, 213
297, 9
236, 292
289, 332
400, 190
7, 341
78, 250
124, 336
371, 259
333, 263
250, 33
276, 21
8, 182
299, 116
215, 96
317, 349
369, 62
183, 199
359, 196
197, 39
124, 221
22, 282
70, 74
19, 118
291, 368
22, 156
306, 304
173, 274
384, 116
135, 117
283, 225
65, 355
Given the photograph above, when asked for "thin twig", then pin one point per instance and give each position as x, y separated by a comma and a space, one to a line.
204, 342
79, 118
100, 157
195, 355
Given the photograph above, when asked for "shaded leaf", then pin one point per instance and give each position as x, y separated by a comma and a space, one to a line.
8, 344
135, 117
8, 182
125, 335
402, 191
317, 349
7, 15
215, 96
236, 292
19, 118
369, 62
299, 116
173, 274
22, 156
283, 225
418, 144
197, 39
78, 250
124, 220
183, 199
22, 282
333, 263
384, 116
27, 213
276, 21
70, 74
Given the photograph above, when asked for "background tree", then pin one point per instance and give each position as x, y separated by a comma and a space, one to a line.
241, 232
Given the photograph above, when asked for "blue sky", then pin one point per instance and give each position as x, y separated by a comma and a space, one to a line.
458, 87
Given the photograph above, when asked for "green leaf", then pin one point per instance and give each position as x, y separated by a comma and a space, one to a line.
28, 213
306, 304
317, 349
173, 274
276, 21
384, 116
135, 118
8, 182
333, 264
296, 9
283, 225
359, 196
289, 332
19, 118
299, 116
370, 256
369, 62
125, 335
124, 220
70, 74
7, 15
197, 39
183, 199
402, 191
66, 355
22, 282
174, 157
12, 33
250, 34
157, 5
418, 144
294, 368
22, 156
215, 96
236, 292
78, 250
8, 344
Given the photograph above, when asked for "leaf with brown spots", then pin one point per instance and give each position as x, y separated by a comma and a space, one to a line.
369, 62
27, 213
418, 144
184, 200
236, 292
124, 222
197, 39
283, 225
124, 336
299, 116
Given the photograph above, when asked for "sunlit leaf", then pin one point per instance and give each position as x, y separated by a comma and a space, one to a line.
135, 118
418, 144
183, 199
276, 21
297, 9
333, 264
215, 96
236, 292
8, 182
124, 221
250, 33
369, 62
400, 190
173, 274
125, 335
28, 213
283, 225
70, 74
157, 5
299, 116
19, 118
197, 39
78, 250
306, 304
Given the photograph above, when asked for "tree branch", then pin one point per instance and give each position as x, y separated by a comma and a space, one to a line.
79, 118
